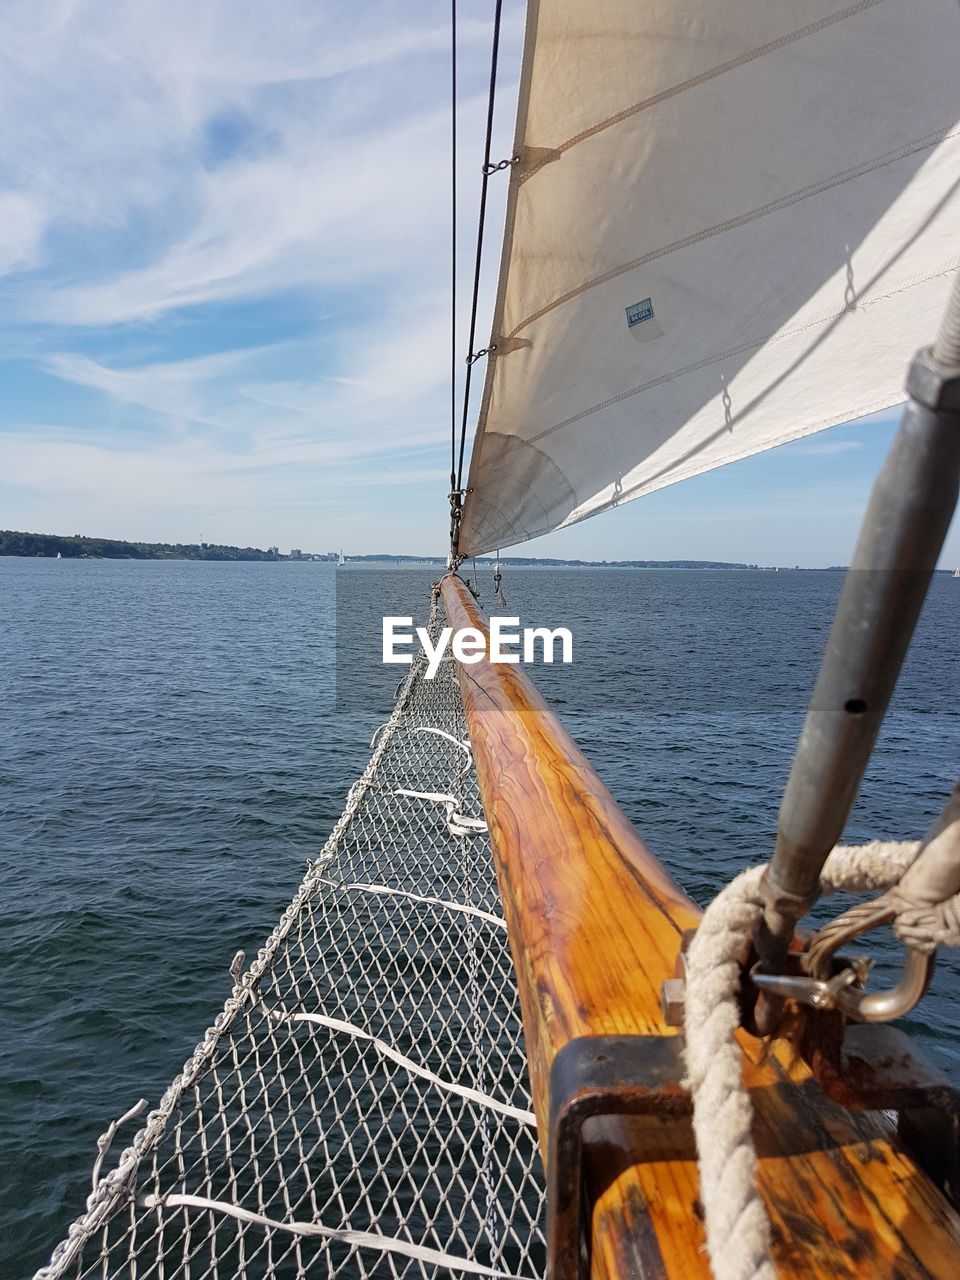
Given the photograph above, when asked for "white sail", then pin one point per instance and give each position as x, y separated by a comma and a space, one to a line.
730, 225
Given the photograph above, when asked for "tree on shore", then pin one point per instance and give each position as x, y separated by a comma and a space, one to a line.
15, 543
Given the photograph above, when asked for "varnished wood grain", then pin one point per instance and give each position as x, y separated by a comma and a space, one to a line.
594, 924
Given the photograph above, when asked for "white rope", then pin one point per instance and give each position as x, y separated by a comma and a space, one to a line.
926, 928
737, 1225
360, 1239
459, 824
920, 924
736, 1222
445, 903
105, 1140
463, 744
449, 1086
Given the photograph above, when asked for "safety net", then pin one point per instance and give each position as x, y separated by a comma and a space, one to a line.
360, 1107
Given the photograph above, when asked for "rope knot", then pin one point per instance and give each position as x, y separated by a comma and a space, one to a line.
924, 928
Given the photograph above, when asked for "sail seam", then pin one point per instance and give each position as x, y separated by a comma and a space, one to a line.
509, 528
753, 344
744, 219
704, 77
663, 480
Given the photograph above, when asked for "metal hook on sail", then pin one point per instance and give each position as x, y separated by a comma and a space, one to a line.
498, 167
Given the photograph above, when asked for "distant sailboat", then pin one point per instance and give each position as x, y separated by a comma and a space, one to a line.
956, 572
60, 557
341, 560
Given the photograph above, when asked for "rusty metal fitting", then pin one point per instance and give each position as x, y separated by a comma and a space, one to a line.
777, 899
673, 995
673, 991
933, 384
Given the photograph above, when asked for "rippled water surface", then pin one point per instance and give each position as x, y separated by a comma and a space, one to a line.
171, 754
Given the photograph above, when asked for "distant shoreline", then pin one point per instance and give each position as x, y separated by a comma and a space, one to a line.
545, 562
81, 547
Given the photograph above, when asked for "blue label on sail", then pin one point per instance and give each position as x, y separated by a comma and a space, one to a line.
639, 312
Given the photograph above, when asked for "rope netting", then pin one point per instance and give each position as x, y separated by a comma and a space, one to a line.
360, 1107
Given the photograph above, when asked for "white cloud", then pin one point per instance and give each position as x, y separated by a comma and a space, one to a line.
21, 226
309, 215
170, 390
389, 393
165, 162
168, 491
111, 117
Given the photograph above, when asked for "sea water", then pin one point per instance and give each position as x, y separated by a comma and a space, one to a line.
172, 752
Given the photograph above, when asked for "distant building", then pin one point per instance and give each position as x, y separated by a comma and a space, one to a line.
274, 552
296, 553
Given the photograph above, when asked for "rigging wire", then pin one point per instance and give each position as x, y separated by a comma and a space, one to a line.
488, 169
453, 246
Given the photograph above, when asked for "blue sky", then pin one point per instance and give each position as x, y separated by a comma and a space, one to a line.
224, 305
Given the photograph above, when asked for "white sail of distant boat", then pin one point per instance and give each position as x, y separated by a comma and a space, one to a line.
956, 572
341, 559
59, 555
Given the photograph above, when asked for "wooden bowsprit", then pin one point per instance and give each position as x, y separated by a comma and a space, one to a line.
595, 925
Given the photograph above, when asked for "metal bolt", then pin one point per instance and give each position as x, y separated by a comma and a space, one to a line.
672, 1001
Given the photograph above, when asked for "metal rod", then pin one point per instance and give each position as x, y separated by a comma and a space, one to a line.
902, 536
946, 348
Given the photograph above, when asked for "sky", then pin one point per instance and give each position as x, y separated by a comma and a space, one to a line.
225, 290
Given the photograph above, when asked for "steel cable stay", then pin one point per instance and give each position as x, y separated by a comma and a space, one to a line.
453, 265
487, 171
